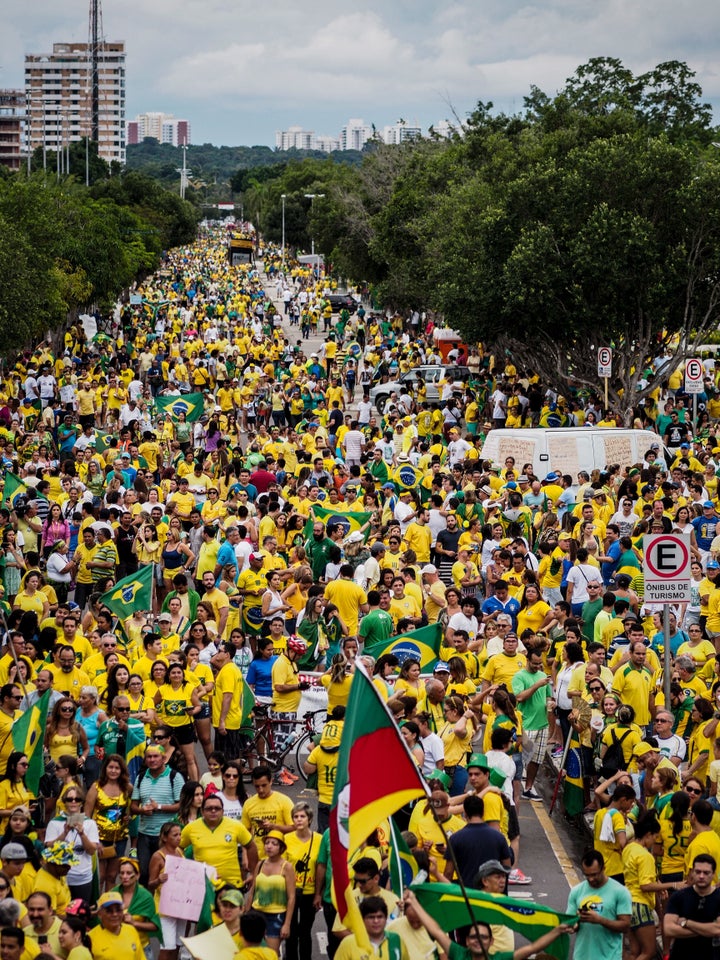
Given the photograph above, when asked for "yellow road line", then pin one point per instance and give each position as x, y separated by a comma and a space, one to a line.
566, 864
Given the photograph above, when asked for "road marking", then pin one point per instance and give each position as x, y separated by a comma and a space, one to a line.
322, 941
566, 864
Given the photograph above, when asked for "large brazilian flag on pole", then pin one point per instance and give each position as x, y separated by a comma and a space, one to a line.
422, 644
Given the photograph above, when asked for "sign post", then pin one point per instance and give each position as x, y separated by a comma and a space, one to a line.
604, 358
694, 383
666, 568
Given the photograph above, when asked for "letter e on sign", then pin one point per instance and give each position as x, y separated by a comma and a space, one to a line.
666, 568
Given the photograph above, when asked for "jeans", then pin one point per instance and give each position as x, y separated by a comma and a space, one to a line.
146, 847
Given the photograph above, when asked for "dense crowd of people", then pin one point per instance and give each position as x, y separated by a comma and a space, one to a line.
291, 529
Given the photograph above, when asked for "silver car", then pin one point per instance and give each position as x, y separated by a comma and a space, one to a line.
430, 375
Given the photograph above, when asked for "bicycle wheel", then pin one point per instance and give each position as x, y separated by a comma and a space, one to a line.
303, 748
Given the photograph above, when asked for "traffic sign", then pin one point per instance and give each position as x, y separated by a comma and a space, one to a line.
666, 568
604, 362
694, 376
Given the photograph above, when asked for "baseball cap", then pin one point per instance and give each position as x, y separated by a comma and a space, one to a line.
712, 565
708, 505
110, 899
642, 749
164, 618
13, 851
232, 896
440, 776
550, 477
377, 548
428, 568
491, 866
256, 556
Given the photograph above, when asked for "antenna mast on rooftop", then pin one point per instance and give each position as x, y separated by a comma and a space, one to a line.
95, 41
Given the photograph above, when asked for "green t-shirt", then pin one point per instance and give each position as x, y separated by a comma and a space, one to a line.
534, 709
376, 626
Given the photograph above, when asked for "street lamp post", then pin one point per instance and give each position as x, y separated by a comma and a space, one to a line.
282, 197
312, 197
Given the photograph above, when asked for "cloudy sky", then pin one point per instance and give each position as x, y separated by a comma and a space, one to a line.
239, 72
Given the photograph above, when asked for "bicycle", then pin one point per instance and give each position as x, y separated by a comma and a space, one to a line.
266, 747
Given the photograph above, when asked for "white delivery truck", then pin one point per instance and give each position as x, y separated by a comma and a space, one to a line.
569, 449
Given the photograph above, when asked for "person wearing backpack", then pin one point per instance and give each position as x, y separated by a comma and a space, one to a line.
618, 741
156, 798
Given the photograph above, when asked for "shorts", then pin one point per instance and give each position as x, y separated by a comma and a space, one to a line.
184, 734
204, 712
539, 748
642, 916
274, 922
172, 929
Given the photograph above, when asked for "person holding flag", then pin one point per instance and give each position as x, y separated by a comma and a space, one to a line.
479, 938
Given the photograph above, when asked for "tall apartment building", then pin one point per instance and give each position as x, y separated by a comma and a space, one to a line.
400, 132
294, 138
58, 96
12, 127
163, 127
355, 134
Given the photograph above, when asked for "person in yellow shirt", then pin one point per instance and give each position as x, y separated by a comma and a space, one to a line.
418, 536
114, 938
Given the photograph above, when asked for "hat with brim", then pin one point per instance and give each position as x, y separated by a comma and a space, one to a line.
642, 749
478, 760
276, 835
62, 854
441, 777
490, 867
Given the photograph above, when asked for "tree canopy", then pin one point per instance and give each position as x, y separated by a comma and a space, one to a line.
591, 218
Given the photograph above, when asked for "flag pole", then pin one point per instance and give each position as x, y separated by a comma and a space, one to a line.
449, 850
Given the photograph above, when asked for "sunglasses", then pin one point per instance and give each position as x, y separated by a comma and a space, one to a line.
693, 790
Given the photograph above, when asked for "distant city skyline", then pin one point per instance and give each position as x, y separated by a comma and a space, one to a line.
240, 75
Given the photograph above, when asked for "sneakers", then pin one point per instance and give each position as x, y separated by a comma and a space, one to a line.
518, 877
531, 795
285, 778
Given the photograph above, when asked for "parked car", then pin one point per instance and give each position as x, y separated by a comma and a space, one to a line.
342, 301
430, 375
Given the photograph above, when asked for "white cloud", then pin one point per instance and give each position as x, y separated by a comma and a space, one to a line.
229, 66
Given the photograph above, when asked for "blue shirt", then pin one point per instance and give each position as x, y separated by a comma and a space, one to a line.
226, 556
608, 569
511, 606
259, 676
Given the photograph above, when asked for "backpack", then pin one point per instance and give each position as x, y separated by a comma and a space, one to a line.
173, 775
614, 758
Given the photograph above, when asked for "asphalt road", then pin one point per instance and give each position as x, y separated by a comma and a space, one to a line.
550, 848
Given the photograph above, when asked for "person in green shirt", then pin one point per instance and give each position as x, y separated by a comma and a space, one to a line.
479, 939
377, 625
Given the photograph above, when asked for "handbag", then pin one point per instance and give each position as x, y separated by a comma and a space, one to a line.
107, 853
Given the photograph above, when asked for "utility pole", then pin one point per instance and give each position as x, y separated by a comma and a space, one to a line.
282, 197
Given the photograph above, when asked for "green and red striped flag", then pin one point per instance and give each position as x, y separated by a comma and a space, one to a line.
361, 799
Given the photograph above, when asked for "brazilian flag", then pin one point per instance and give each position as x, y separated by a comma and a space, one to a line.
446, 905
130, 594
191, 404
573, 793
28, 734
407, 477
135, 743
13, 486
351, 521
247, 706
422, 644
403, 865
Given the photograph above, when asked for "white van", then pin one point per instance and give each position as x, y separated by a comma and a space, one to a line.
569, 449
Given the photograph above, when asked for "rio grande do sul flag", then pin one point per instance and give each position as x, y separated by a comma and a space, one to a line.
364, 796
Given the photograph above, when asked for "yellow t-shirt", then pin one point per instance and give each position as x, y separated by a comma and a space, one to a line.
277, 809
218, 847
284, 671
111, 946
228, 680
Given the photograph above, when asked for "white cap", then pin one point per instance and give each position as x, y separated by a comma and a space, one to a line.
428, 568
